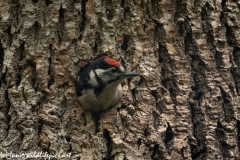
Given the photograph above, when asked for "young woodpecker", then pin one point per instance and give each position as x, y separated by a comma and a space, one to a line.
98, 84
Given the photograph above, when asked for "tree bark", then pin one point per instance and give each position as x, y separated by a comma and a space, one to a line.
185, 105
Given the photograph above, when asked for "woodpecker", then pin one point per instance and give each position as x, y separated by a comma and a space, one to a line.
98, 84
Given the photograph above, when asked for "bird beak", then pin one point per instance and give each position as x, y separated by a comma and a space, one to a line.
127, 74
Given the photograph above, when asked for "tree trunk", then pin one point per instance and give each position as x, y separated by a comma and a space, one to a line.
185, 105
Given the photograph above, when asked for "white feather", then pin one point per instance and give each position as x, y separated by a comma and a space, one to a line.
105, 74
110, 96
93, 80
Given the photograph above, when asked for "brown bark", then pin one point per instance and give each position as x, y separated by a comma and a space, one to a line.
185, 105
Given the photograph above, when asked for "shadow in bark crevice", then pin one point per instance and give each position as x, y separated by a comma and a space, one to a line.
168, 80
235, 69
9, 35
83, 19
169, 134
47, 2
238, 134
8, 116
221, 136
32, 65
36, 31
19, 57
2, 77
124, 45
155, 150
159, 31
61, 28
108, 138
227, 106
198, 149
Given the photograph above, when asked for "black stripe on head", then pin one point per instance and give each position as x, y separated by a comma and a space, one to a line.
84, 76
102, 85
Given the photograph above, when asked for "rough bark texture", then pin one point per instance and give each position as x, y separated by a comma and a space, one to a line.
185, 105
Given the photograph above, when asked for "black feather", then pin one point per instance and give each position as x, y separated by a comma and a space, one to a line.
84, 76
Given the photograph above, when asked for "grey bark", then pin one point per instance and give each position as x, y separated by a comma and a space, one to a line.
185, 105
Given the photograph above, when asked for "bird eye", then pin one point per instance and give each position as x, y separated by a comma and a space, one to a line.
114, 70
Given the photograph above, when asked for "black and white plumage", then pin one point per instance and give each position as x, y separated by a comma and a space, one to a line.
98, 84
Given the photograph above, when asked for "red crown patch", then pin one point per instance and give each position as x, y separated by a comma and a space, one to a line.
112, 62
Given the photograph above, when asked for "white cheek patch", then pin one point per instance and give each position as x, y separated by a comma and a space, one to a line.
92, 80
121, 69
105, 74
100, 72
